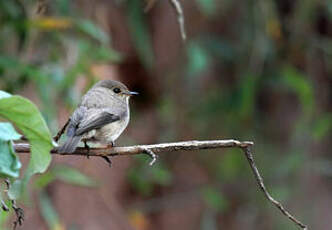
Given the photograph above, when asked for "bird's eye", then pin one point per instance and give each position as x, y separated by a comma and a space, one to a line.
116, 90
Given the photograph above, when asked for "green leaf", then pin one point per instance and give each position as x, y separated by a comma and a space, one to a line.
198, 59
214, 199
93, 30
208, 7
247, 93
15, 190
298, 82
72, 176
44, 179
107, 54
28, 119
48, 211
9, 162
140, 32
8, 133
144, 179
4, 217
231, 165
322, 126
161, 175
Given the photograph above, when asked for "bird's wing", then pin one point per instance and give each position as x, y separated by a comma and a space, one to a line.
96, 121
70, 145
75, 120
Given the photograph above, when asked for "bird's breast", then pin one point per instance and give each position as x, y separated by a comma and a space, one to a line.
112, 131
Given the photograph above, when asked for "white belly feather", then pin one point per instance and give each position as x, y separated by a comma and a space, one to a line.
112, 131
108, 133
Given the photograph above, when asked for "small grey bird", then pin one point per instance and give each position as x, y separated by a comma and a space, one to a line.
101, 117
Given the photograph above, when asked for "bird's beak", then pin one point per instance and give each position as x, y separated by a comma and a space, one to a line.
131, 93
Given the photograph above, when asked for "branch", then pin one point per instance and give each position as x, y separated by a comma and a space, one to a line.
178, 146
268, 196
62, 130
137, 149
179, 13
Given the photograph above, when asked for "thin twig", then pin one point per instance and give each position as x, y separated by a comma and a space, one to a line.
19, 212
62, 130
152, 155
259, 179
19, 215
177, 146
179, 13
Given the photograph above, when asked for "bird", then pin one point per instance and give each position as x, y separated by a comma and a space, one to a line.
101, 117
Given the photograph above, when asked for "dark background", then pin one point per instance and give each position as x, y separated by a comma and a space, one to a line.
250, 70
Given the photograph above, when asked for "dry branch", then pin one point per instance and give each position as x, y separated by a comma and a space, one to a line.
180, 18
178, 146
137, 149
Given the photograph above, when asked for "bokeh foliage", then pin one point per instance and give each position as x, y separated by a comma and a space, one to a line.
253, 70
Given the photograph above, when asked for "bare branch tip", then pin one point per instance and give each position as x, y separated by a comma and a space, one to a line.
152, 155
180, 17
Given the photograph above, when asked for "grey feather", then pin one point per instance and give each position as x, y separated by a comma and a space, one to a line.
102, 115
75, 120
70, 145
102, 119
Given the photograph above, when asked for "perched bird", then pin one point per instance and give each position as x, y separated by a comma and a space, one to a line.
101, 117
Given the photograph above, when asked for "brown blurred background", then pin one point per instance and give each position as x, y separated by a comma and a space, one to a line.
250, 70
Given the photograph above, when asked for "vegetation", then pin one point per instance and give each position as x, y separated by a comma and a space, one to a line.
254, 70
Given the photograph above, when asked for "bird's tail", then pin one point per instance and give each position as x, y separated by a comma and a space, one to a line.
70, 145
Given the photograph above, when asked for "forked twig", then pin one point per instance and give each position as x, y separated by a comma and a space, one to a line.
62, 130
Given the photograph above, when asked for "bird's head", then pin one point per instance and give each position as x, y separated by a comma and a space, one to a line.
116, 89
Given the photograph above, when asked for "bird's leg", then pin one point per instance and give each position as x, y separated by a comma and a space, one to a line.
87, 147
106, 158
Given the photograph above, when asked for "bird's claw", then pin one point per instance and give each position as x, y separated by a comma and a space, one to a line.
87, 147
108, 160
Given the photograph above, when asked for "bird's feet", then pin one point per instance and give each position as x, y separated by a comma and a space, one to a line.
110, 145
106, 158
87, 147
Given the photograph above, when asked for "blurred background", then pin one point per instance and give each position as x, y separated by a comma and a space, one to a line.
250, 70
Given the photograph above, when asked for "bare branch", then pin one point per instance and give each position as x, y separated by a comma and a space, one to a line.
177, 146
179, 12
261, 185
137, 149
